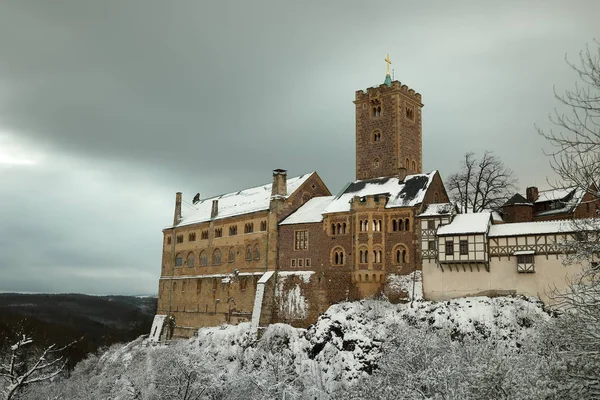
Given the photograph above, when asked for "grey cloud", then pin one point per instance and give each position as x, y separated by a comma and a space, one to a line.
140, 99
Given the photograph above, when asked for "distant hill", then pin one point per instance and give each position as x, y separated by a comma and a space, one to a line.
61, 318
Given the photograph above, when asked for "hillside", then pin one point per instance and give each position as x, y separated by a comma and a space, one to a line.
96, 321
350, 347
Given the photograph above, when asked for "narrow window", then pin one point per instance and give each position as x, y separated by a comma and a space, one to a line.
178, 260
463, 247
400, 225
231, 254
179, 238
293, 262
394, 225
216, 257
249, 253
414, 166
190, 260
333, 229
307, 262
204, 235
233, 230
338, 228
301, 240
192, 237
344, 228
263, 226
256, 253
407, 224
449, 247
168, 239
218, 232
300, 262
398, 256
430, 224
404, 256
203, 259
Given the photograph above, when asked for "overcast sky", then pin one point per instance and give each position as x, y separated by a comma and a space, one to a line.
107, 108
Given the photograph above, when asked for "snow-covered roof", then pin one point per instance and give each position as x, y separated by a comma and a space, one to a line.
407, 193
237, 203
530, 228
311, 211
553, 194
467, 223
569, 202
436, 209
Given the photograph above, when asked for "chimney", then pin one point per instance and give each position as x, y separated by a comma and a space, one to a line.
279, 188
215, 209
196, 199
402, 174
532, 194
177, 216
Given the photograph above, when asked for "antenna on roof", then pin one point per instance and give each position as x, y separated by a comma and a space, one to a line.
392, 74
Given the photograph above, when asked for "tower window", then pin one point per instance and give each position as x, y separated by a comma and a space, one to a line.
410, 112
376, 163
377, 136
414, 165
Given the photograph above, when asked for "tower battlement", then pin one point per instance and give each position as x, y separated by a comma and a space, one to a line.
384, 89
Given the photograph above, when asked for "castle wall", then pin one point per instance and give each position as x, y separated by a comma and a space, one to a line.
503, 278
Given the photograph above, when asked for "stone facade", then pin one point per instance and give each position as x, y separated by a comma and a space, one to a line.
217, 271
388, 131
198, 286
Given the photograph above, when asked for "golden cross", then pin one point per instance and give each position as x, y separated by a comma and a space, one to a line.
388, 61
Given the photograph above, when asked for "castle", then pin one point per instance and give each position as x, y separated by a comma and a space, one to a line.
287, 250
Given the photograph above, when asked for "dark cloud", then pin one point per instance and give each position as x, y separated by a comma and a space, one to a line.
123, 103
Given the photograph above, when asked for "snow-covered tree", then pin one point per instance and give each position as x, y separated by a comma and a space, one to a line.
19, 370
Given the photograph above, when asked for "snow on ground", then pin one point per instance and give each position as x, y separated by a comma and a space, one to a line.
345, 343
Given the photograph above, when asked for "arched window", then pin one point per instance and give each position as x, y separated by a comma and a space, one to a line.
203, 259
401, 254
216, 258
394, 225
414, 165
249, 228
263, 225
374, 278
333, 229
407, 163
407, 224
190, 260
366, 277
178, 260
376, 163
378, 111
359, 277
377, 136
256, 252
404, 258
398, 256
338, 228
248, 252
400, 225
343, 228
337, 256
231, 254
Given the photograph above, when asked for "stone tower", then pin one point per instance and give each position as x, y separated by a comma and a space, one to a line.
388, 130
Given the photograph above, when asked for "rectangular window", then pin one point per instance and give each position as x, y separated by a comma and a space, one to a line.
192, 237
300, 262
430, 224
263, 226
233, 230
431, 245
168, 239
525, 259
301, 240
449, 247
179, 238
218, 232
464, 247
293, 262
307, 262
204, 235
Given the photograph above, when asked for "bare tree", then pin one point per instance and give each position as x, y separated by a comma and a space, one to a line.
482, 184
17, 375
575, 142
575, 157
